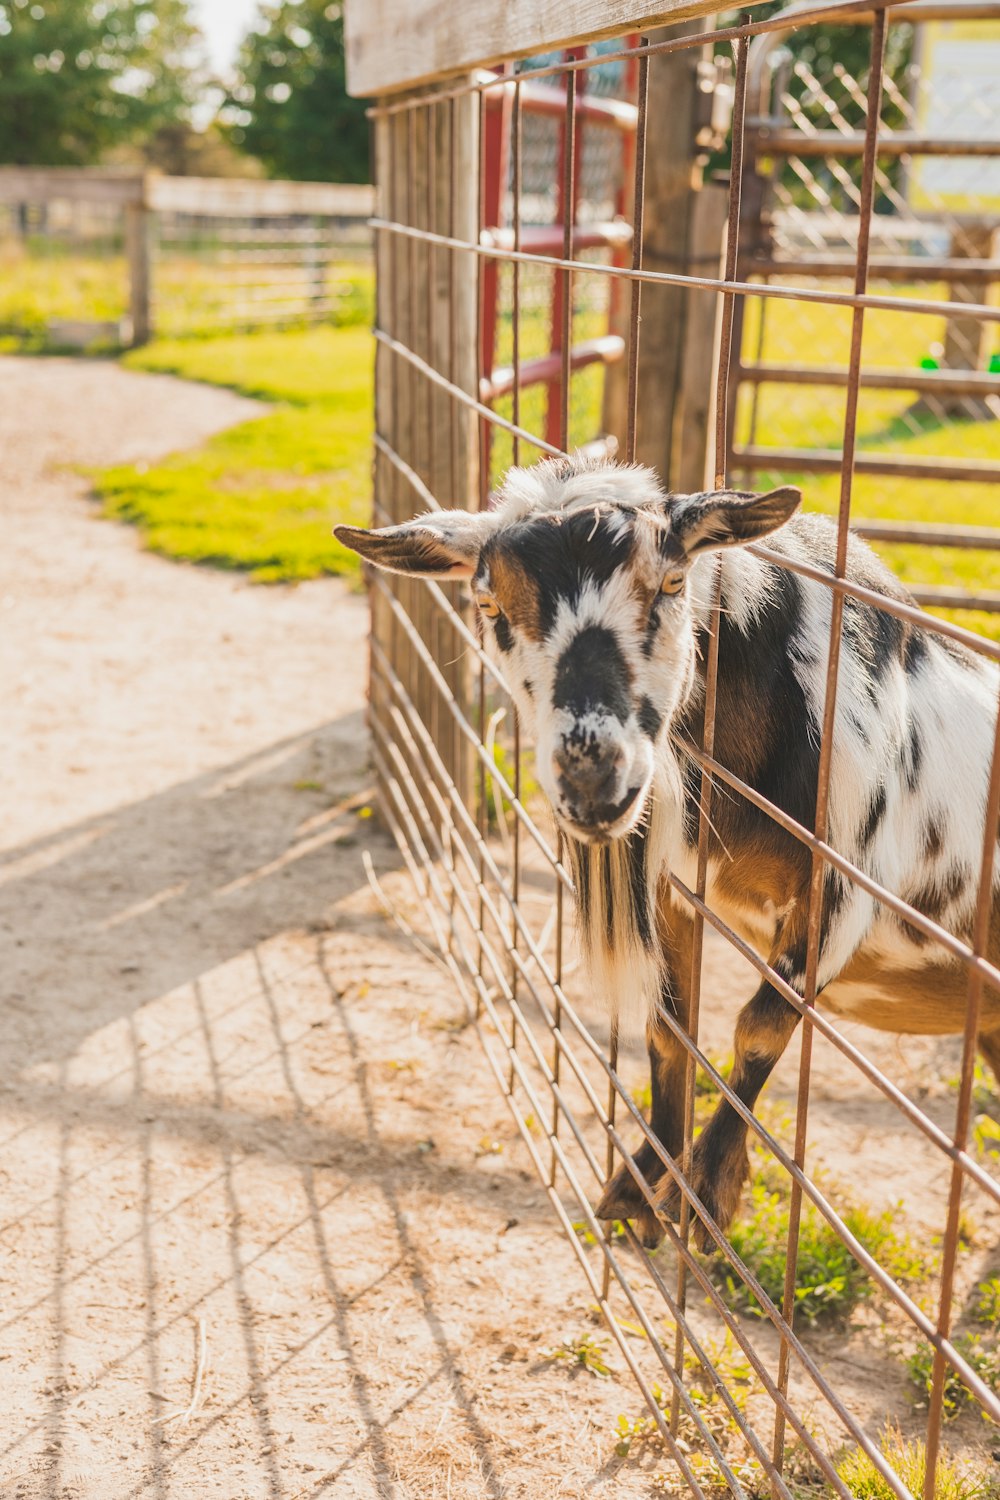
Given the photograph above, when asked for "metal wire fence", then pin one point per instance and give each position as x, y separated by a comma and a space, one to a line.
741, 1396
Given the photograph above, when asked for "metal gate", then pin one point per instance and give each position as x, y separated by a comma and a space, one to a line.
457, 788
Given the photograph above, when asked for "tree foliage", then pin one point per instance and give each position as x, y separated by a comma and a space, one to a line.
290, 105
79, 78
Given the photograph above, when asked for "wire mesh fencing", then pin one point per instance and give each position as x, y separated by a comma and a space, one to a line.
767, 1364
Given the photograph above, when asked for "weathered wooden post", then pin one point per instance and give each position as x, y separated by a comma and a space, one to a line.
682, 233
138, 226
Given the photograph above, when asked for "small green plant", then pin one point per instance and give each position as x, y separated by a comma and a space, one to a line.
909, 1461
584, 1352
830, 1282
987, 1308
983, 1358
581, 1227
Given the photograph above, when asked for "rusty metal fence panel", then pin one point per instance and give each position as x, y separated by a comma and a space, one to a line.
739, 1404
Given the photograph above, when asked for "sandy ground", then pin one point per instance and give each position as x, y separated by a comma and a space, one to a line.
250, 1244
266, 1227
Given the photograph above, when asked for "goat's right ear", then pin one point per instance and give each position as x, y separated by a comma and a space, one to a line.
441, 544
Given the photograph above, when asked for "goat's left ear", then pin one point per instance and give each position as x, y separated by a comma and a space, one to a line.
702, 523
441, 544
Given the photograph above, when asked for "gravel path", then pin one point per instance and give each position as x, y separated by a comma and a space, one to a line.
240, 1132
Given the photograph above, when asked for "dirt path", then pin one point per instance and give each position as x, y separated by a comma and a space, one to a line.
250, 1245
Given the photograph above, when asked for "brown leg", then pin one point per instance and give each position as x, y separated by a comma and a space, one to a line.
622, 1197
720, 1164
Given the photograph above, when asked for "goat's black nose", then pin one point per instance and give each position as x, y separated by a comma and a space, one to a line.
591, 779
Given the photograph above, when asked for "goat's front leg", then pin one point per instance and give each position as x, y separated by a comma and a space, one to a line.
720, 1164
622, 1197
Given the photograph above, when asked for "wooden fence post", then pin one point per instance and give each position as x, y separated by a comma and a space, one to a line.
138, 225
674, 229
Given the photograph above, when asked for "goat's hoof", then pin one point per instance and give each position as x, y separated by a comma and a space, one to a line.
622, 1197
647, 1227
719, 1185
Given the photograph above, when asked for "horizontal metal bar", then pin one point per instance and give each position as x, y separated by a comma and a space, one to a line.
548, 239
829, 461
933, 382
606, 350
543, 99
899, 267
897, 607
765, 140
470, 401
908, 305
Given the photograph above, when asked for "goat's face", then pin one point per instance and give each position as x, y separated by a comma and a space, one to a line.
582, 575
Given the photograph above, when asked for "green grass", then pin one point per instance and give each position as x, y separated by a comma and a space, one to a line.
909, 1462
829, 1281
262, 496
42, 280
980, 1352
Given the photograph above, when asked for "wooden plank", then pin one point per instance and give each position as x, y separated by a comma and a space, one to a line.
932, 382
904, 267
892, 143
76, 184
829, 461
247, 196
695, 428
390, 47
933, 598
667, 243
930, 534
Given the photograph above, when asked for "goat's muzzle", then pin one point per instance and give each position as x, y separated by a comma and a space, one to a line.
592, 799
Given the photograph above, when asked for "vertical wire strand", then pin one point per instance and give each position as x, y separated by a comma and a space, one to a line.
568, 195
813, 937
515, 153
484, 480
631, 413
963, 1111
712, 662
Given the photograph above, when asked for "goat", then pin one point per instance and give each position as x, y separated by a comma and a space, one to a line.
597, 589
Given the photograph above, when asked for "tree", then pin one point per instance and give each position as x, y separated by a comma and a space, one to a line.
290, 106
80, 77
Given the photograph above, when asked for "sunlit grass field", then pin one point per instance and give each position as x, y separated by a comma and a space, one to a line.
192, 294
265, 495
790, 416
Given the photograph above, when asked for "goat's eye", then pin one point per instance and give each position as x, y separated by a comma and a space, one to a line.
672, 583
488, 606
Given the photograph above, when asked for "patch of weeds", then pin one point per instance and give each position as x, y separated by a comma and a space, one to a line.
635, 1435
909, 1461
487, 1146
581, 1227
987, 1308
986, 1135
982, 1357
585, 1353
497, 802
830, 1282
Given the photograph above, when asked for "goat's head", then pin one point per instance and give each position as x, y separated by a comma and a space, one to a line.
584, 575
